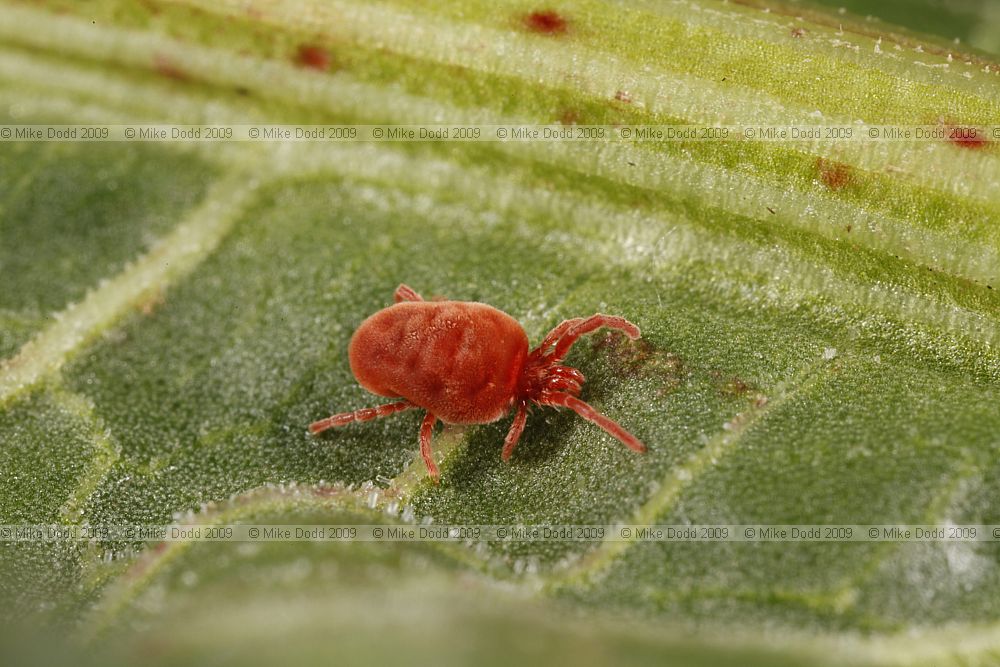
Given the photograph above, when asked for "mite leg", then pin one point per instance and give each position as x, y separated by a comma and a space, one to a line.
590, 414
566, 379
362, 415
426, 428
406, 293
558, 332
593, 323
514, 434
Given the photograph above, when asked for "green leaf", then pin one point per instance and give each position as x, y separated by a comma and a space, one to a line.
819, 346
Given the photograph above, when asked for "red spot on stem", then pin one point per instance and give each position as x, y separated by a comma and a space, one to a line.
834, 175
313, 57
545, 22
164, 66
152, 302
150, 6
967, 137
569, 117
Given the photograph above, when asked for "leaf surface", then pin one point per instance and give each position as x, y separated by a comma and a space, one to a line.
819, 324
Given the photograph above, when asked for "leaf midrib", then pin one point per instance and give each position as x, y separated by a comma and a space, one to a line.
893, 236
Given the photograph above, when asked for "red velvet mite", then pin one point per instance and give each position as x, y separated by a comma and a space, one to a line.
468, 363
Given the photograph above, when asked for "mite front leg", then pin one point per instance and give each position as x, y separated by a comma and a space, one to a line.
585, 410
426, 428
558, 333
406, 293
592, 323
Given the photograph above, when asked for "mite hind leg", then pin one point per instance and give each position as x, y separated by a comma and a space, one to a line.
406, 293
362, 415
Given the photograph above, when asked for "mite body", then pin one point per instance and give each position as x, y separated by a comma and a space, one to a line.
468, 363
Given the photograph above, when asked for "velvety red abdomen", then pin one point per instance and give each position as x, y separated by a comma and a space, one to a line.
460, 360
